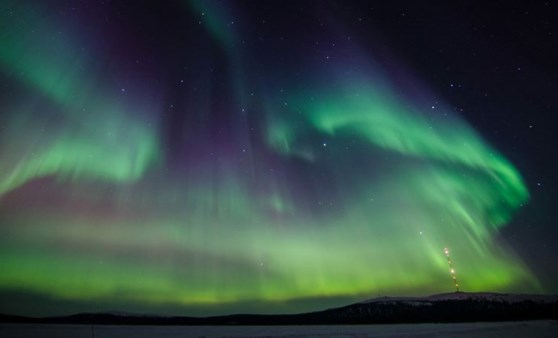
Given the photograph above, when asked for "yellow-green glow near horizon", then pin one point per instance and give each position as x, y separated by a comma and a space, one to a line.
344, 190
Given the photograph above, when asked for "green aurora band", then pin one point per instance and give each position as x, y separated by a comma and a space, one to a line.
101, 128
351, 190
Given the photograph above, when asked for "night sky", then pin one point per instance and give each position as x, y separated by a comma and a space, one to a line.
212, 157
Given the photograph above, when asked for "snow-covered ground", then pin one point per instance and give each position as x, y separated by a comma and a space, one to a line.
546, 328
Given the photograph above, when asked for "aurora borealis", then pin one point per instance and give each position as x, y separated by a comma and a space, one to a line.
209, 157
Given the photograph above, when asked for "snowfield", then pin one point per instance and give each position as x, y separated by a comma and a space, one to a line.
545, 328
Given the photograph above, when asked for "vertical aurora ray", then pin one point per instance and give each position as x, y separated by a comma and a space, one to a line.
334, 185
76, 128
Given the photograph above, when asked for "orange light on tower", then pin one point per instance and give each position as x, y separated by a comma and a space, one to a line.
452, 270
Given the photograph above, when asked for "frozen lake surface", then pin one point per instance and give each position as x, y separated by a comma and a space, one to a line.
547, 328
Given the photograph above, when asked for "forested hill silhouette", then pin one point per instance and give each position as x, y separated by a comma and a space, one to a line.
450, 307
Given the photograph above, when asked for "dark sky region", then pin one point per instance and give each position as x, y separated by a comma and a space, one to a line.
210, 157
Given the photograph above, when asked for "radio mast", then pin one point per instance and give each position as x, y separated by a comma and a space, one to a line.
452, 270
